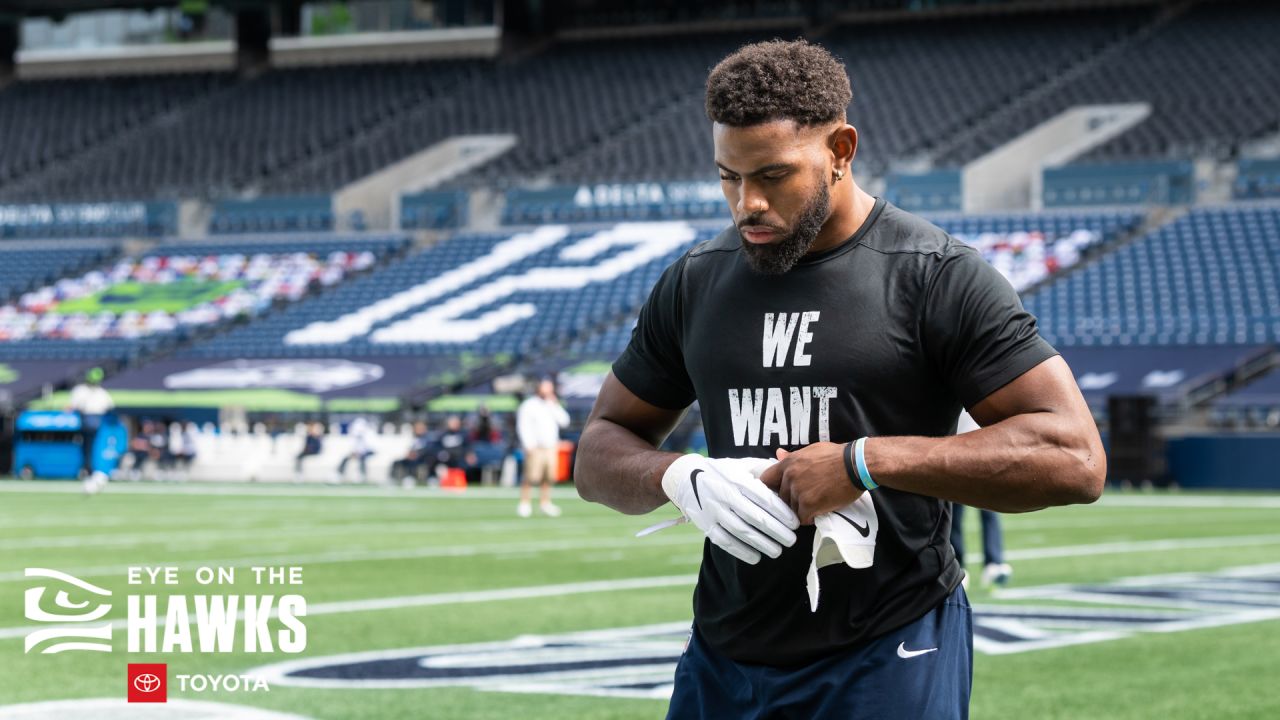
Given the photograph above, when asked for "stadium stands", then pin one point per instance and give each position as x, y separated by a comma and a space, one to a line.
1208, 74
479, 293
1211, 277
43, 122
602, 124
313, 130
902, 105
558, 103
28, 265
256, 128
137, 303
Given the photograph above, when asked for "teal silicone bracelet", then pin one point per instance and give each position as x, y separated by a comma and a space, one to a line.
860, 459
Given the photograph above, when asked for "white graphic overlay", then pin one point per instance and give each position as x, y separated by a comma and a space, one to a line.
80, 637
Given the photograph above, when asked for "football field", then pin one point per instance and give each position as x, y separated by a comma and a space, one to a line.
425, 604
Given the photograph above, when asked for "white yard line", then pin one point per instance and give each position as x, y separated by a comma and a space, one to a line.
265, 531
264, 490
1133, 546
1190, 501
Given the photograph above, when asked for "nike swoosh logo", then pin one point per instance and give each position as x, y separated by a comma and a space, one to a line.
693, 480
864, 529
906, 654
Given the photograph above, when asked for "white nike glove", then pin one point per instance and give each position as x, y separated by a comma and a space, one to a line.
846, 535
725, 498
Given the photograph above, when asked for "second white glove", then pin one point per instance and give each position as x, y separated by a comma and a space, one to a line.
725, 498
848, 536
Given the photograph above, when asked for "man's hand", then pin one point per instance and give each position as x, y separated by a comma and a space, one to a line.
725, 499
812, 480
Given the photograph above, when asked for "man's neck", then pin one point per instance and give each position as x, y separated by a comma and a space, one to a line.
845, 220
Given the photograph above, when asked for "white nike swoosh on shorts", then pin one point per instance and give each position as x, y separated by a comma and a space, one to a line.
906, 654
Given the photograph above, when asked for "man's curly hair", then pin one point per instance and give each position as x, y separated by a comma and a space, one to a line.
778, 80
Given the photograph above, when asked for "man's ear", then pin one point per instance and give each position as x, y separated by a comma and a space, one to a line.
843, 143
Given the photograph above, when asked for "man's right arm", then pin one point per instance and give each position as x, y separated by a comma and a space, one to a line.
618, 462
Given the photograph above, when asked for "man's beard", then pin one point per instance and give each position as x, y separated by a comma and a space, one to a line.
779, 257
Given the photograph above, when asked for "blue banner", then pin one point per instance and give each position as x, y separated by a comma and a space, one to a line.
88, 219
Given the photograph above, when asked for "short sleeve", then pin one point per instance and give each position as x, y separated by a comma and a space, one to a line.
976, 332
653, 366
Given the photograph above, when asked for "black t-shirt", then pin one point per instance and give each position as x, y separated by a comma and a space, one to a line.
889, 333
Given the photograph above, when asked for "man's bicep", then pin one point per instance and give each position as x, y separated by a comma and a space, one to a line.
1048, 387
618, 405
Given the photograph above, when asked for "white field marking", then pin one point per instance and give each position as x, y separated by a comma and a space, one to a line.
1055, 590
212, 535
1111, 548
1018, 522
1189, 517
345, 556
1190, 501
115, 708
452, 598
253, 512
232, 489
1133, 546
1141, 546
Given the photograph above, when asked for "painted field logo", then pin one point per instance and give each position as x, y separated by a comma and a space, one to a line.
79, 635
640, 662
148, 683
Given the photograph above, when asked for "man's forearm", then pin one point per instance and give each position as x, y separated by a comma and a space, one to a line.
619, 469
1024, 463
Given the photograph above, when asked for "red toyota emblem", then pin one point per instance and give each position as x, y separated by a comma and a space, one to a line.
147, 682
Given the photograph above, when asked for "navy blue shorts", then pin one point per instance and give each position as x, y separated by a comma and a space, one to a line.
922, 670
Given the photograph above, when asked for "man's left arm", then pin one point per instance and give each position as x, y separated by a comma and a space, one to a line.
1038, 447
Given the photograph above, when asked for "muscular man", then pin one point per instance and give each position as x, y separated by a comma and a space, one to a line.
840, 336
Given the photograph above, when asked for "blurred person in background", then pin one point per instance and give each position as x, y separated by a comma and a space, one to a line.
161, 451
184, 453
311, 445
140, 449
455, 447
539, 420
487, 444
91, 402
421, 451
361, 433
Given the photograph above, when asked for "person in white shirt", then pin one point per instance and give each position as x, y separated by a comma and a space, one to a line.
361, 433
91, 401
539, 420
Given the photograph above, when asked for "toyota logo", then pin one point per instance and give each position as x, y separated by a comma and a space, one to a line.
146, 683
